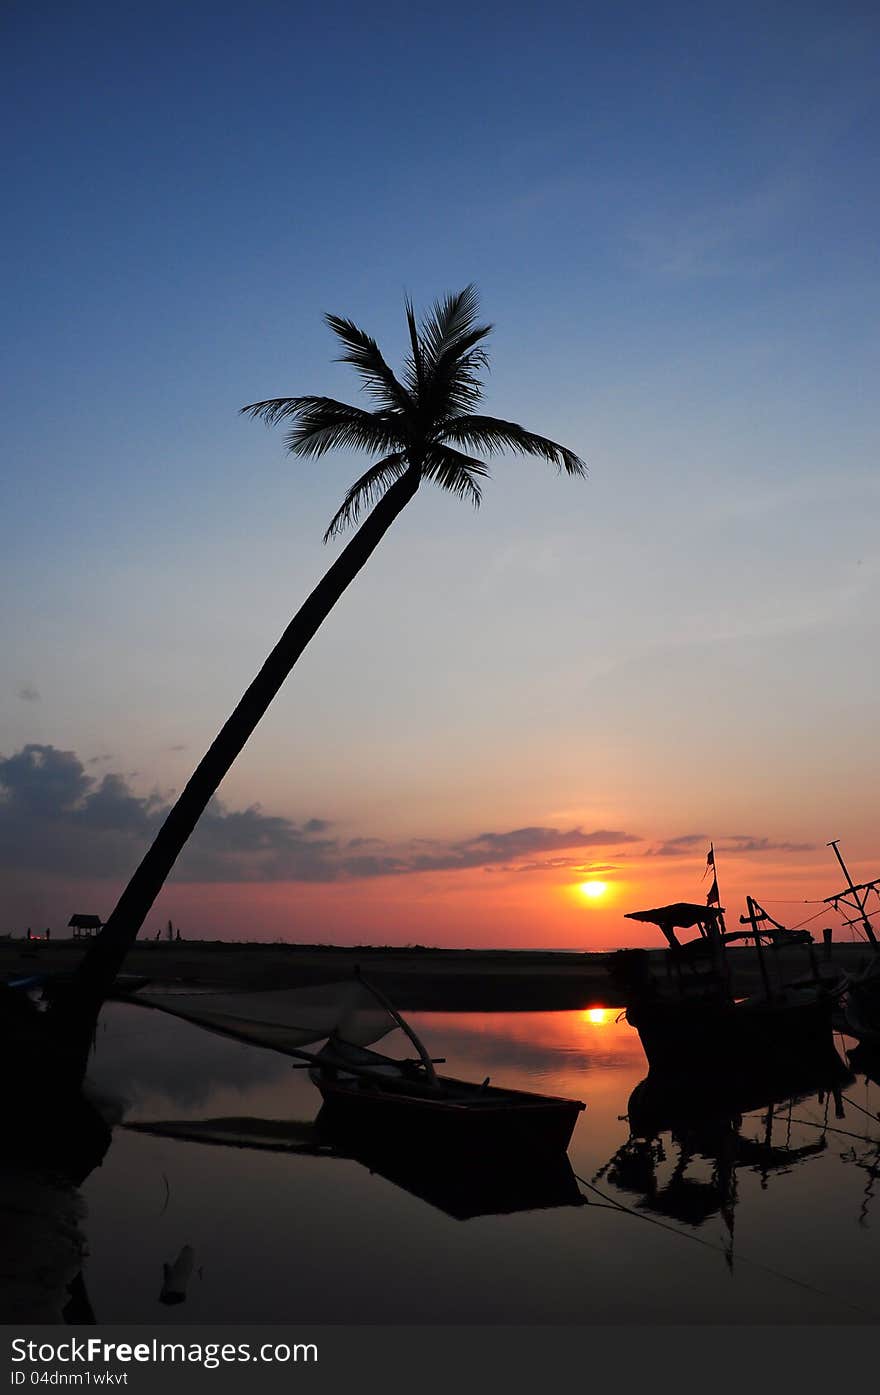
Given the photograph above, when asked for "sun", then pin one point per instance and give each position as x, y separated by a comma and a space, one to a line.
593, 889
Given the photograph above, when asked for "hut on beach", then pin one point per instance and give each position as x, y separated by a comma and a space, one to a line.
84, 925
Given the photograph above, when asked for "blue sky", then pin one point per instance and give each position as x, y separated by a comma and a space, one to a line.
671, 214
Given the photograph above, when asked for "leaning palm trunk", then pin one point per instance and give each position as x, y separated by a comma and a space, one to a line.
75, 1013
417, 428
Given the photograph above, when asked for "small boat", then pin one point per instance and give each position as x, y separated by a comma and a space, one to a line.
401, 1103
406, 1104
686, 1014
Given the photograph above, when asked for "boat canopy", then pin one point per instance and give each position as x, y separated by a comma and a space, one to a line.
681, 915
283, 1019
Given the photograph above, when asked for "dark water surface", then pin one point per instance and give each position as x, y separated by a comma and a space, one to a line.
737, 1234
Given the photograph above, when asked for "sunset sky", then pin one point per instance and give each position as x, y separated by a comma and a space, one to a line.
671, 213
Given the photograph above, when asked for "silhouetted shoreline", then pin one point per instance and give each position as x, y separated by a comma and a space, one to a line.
417, 979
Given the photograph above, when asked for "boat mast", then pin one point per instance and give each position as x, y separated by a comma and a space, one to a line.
753, 909
714, 897
718, 932
851, 890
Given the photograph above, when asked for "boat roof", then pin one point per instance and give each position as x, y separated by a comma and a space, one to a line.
681, 915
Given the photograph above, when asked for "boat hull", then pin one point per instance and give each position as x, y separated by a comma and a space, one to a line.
700, 1037
476, 1120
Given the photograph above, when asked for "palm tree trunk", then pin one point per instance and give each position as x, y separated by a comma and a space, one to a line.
75, 1013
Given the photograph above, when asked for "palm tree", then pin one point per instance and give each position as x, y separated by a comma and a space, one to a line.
421, 426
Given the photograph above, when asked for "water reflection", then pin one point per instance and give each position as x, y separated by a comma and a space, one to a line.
686, 1147
324, 1236
463, 1188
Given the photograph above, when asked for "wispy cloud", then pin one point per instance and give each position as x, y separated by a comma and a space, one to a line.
27, 692
681, 846
715, 239
738, 843
729, 844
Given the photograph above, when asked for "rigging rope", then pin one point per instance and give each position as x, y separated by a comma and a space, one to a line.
620, 1206
826, 1127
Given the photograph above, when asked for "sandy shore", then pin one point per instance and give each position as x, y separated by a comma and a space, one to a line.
451, 980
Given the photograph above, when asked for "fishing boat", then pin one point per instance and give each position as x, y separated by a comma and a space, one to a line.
399, 1102
685, 1011
406, 1102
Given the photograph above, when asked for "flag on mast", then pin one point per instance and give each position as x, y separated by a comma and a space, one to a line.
714, 897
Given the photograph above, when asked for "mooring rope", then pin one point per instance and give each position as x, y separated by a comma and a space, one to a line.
612, 1204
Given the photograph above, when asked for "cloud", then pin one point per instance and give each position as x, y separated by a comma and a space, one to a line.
55, 818
746, 843
491, 849
730, 844
28, 692
680, 846
566, 864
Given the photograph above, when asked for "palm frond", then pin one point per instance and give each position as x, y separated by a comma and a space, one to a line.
453, 470
324, 424
456, 383
454, 365
414, 375
371, 485
275, 409
492, 435
449, 320
362, 351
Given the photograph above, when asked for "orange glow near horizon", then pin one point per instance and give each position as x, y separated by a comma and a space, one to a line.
497, 907
598, 1017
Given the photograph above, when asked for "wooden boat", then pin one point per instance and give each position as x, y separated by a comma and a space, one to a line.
401, 1102
366, 1095
686, 1014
